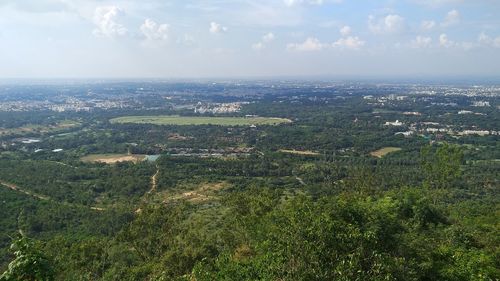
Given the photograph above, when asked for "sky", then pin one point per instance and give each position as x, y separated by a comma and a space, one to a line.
248, 38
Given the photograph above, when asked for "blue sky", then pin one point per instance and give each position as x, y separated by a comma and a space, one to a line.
248, 38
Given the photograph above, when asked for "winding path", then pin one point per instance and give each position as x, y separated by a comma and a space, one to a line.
18, 189
154, 180
300, 180
44, 197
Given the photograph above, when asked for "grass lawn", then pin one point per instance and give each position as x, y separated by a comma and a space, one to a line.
192, 120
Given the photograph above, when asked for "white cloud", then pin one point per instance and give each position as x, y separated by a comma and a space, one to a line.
217, 28
445, 42
390, 24
452, 18
153, 31
105, 20
268, 37
486, 40
351, 42
311, 44
428, 25
258, 46
345, 31
421, 42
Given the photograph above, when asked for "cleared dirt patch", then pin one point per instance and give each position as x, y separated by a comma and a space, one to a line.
113, 158
384, 151
205, 192
299, 152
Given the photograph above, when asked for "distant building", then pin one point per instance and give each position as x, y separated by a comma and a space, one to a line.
396, 123
412, 113
481, 104
30, 141
406, 134
474, 132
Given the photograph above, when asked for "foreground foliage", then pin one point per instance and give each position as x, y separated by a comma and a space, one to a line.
29, 263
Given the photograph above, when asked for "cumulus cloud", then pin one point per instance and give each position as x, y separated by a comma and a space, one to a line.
347, 41
267, 38
106, 24
311, 44
345, 30
421, 42
452, 18
486, 40
428, 25
217, 28
153, 31
390, 24
445, 42
351, 42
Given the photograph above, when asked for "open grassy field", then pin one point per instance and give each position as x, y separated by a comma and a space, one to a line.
384, 151
192, 120
39, 128
113, 158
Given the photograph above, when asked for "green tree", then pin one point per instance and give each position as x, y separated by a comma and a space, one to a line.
442, 165
29, 263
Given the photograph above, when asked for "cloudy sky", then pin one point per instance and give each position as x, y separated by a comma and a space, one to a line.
248, 38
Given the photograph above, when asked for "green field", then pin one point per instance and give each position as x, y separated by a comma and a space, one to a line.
190, 120
33, 128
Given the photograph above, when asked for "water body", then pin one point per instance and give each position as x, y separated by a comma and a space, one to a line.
152, 158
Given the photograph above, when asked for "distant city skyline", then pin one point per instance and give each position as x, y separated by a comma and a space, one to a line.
248, 38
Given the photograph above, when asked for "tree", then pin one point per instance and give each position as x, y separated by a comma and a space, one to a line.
29, 263
442, 166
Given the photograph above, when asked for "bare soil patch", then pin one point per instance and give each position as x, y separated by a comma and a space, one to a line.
299, 152
384, 151
113, 158
205, 192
